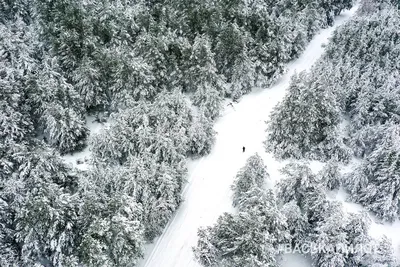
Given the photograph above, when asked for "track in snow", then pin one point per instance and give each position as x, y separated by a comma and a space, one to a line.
207, 194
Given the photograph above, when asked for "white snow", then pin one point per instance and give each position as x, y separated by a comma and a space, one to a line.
208, 194
84, 155
295, 260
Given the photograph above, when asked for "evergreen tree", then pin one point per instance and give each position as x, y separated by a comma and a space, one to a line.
201, 69
297, 222
298, 181
160, 128
235, 241
87, 81
57, 109
253, 174
201, 135
329, 234
131, 79
230, 43
63, 28
365, 140
250, 237
134, 131
303, 125
16, 64
330, 175
384, 254
375, 182
203, 79
359, 241
244, 76
42, 207
111, 233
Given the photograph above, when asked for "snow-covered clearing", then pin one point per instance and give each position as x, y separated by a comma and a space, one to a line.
208, 194
84, 156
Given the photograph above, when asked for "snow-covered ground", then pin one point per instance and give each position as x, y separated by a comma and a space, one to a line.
84, 155
208, 194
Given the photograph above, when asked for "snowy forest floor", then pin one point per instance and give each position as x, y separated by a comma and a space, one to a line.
207, 193
84, 156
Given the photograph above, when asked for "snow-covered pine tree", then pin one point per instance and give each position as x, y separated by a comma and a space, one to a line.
282, 134
377, 104
267, 49
262, 204
208, 99
297, 223
359, 241
160, 128
235, 240
302, 124
162, 49
312, 18
111, 233
253, 174
203, 79
62, 26
378, 101
131, 79
384, 254
244, 76
64, 128
57, 109
87, 82
172, 117
14, 124
155, 186
134, 130
201, 135
114, 241
230, 43
165, 188
298, 181
375, 182
16, 64
249, 238
329, 234
11, 10
299, 38
365, 140
330, 175
315, 205
42, 206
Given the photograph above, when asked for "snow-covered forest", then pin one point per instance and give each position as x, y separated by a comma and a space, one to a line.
345, 113
351, 106
155, 75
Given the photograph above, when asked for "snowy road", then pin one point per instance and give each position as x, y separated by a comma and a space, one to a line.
207, 194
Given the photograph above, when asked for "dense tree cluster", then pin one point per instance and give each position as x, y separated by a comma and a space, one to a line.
305, 123
300, 217
375, 183
356, 78
349, 104
161, 69
251, 237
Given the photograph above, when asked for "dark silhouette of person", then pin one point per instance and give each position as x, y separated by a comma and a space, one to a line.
244, 149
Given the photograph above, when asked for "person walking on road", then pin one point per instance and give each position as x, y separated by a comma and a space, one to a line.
244, 149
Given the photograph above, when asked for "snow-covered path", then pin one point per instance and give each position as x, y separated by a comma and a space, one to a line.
207, 194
